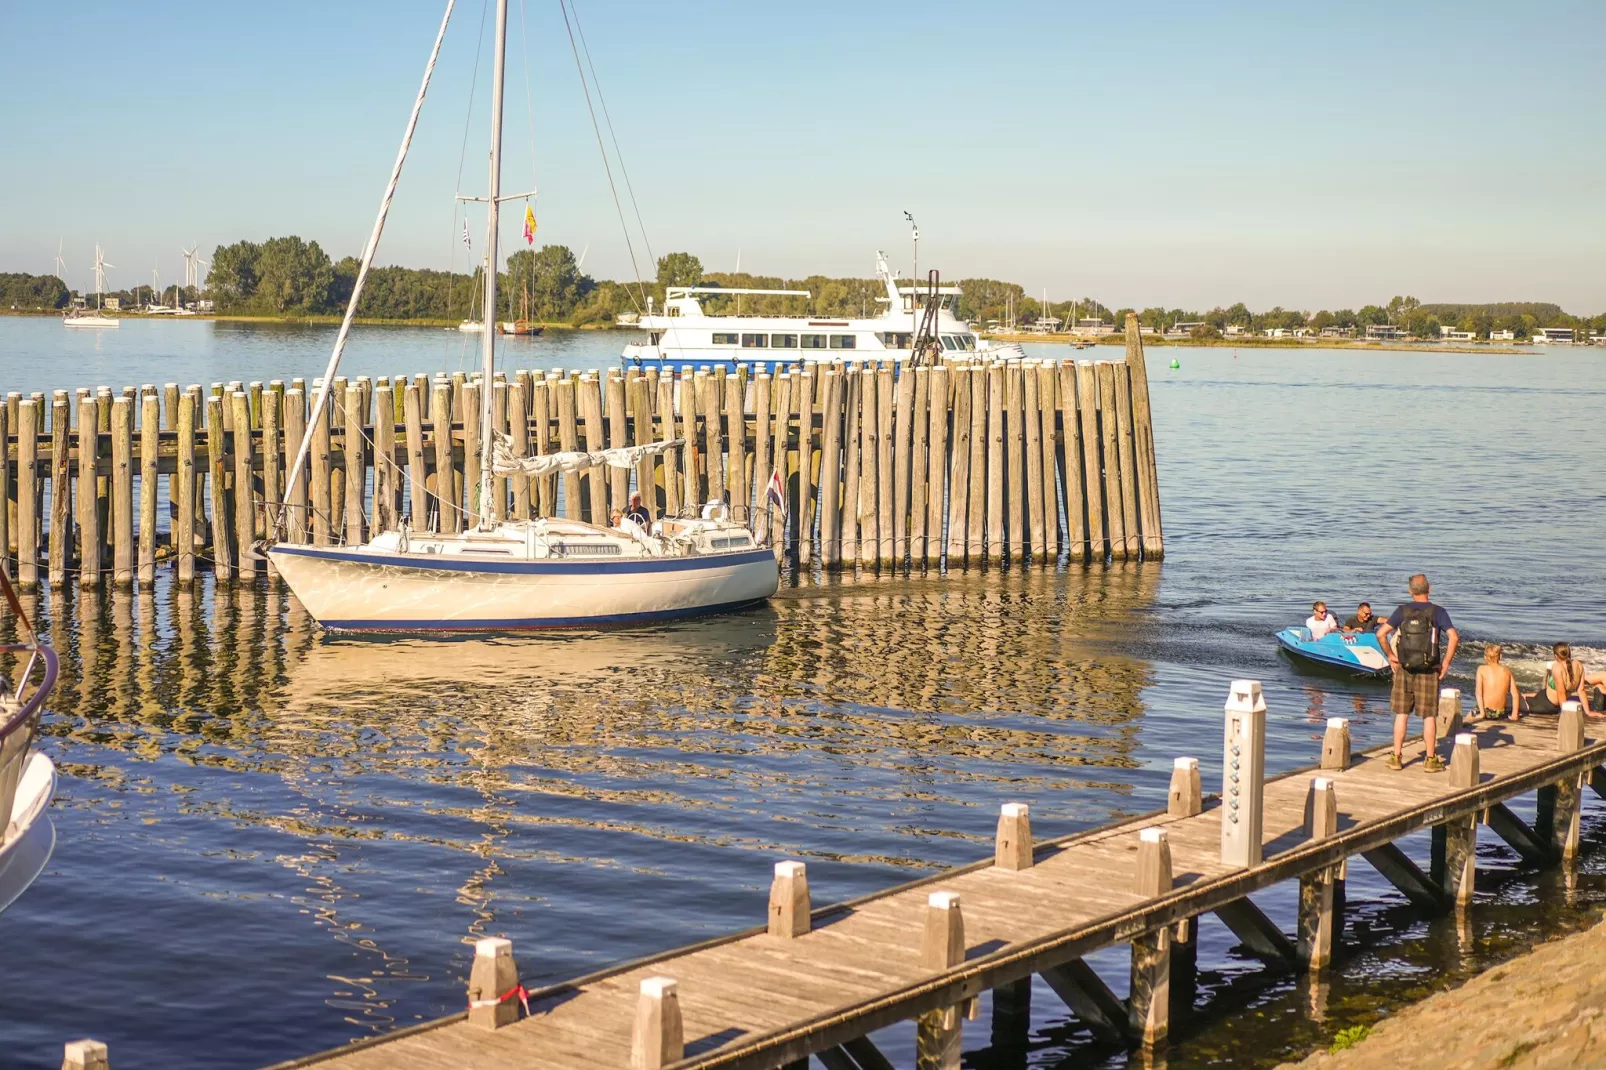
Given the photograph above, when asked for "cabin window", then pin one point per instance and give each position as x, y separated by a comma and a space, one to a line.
721, 339
755, 341
843, 341
814, 341
655, 335
783, 341
948, 342
968, 341
894, 339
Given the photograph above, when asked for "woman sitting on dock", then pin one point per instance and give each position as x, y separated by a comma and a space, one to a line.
1564, 680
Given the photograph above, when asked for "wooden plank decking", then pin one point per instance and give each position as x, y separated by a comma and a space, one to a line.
752, 1000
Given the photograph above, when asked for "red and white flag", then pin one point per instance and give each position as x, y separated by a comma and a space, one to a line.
777, 493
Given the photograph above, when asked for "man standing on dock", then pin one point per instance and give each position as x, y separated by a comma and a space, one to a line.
1419, 667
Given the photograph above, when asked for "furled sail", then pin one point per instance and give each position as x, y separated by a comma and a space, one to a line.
505, 462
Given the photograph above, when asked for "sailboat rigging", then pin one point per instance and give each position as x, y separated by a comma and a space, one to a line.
501, 574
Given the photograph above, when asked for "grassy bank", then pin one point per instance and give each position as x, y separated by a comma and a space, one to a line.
1151, 342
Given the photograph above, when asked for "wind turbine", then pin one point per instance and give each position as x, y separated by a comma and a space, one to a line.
192, 265
100, 275
61, 265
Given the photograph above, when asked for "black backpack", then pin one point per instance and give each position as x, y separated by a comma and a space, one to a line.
1418, 647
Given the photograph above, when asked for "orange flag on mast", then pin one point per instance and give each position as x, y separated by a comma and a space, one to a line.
529, 224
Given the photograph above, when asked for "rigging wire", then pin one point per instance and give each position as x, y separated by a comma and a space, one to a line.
617, 152
457, 202
563, 5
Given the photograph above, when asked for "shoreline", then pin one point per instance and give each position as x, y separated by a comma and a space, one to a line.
1552, 1013
1152, 342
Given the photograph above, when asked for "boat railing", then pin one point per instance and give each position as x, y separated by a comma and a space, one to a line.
21, 710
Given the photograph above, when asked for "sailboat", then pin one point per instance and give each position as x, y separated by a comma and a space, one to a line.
27, 776
81, 317
503, 575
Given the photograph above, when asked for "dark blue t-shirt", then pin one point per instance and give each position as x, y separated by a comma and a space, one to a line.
1441, 619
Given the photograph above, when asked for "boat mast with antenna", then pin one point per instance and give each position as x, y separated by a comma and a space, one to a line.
490, 509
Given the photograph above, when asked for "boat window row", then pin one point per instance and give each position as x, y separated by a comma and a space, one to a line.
785, 341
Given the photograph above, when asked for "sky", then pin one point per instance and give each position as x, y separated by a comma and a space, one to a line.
1167, 152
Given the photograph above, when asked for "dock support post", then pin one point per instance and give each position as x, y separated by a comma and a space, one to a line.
1242, 765
659, 1037
244, 499
1012, 847
938, 1033
1184, 967
122, 488
1149, 1004
492, 982
1317, 920
789, 900
1449, 713
1186, 798
1335, 744
85, 1055
89, 533
1558, 809
150, 432
28, 494
1460, 834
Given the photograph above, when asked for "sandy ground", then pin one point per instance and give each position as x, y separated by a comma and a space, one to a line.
1546, 1009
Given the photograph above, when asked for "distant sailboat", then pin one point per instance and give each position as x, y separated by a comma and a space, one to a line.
81, 317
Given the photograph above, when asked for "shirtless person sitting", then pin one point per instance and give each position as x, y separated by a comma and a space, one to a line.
1496, 688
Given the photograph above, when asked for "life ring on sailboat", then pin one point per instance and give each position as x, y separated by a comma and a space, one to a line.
716, 509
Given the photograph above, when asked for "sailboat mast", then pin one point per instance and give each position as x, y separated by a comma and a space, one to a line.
490, 509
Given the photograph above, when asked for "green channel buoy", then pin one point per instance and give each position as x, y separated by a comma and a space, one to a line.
1175, 364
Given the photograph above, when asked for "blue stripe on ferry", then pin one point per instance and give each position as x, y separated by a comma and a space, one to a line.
531, 624
562, 566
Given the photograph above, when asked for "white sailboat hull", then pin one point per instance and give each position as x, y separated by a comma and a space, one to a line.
363, 590
91, 321
29, 837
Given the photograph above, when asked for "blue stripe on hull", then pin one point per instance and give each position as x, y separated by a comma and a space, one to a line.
545, 566
613, 620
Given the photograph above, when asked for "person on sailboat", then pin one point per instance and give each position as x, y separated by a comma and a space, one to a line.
637, 511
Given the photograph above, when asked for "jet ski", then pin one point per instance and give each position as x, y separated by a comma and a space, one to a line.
1358, 655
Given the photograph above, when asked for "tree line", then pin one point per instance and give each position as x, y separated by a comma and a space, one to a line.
292, 277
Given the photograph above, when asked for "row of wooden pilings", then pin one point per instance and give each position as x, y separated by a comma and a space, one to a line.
966, 462
1163, 961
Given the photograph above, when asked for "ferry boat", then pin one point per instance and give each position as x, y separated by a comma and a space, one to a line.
683, 333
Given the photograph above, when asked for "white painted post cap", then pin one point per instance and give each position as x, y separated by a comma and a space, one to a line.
1322, 783
491, 946
790, 869
1014, 810
1466, 739
1571, 705
1450, 692
1152, 834
1245, 696
1338, 722
943, 900
658, 987
1185, 763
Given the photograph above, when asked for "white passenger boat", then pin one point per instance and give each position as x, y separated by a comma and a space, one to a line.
684, 332
510, 575
27, 777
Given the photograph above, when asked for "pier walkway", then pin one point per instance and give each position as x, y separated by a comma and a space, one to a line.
817, 984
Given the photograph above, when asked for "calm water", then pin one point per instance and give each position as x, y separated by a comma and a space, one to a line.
271, 842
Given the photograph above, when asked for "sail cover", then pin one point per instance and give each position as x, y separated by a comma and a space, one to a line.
506, 463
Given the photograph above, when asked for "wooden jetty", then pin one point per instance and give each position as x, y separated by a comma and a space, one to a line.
964, 462
816, 982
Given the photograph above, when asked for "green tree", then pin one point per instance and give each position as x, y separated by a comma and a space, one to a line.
1370, 315
1323, 320
33, 292
232, 278
293, 276
553, 280
679, 269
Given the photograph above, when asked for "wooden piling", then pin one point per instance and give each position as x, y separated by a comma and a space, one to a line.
959, 468
60, 487
1461, 833
789, 901
298, 522
244, 498
1113, 477
1186, 797
658, 1037
737, 478
1012, 843
639, 394
938, 1033
1048, 412
493, 980
216, 471
831, 469
936, 464
320, 471
122, 488
920, 458
272, 454
710, 397
901, 463
1087, 392
869, 467
806, 498
763, 453
852, 436
996, 390
473, 416
85, 1055
386, 471
1143, 439
1033, 412
664, 431
447, 502
781, 403
544, 490
182, 489
28, 493
618, 435
1336, 744
417, 468
1316, 889
1149, 999
1130, 489
885, 466
89, 530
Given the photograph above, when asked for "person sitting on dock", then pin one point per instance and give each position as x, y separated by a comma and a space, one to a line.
1320, 622
1364, 620
637, 511
1419, 665
1496, 688
1565, 678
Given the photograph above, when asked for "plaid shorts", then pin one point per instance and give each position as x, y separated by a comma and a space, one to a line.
1415, 692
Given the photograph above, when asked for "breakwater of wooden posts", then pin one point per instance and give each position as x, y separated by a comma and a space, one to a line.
965, 462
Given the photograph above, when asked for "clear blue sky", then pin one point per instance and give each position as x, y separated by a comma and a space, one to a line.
1167, 152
